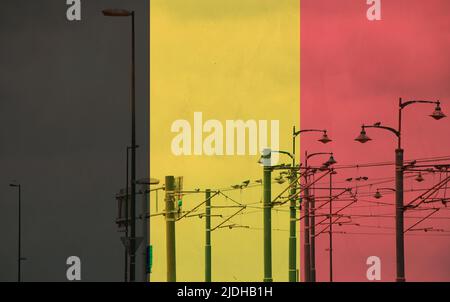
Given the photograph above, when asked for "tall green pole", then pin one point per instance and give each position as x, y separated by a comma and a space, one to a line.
292, 235
293, 219
208, 237
170, 229
267, 170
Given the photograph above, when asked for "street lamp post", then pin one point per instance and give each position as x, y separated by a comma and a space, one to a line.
266, 161
292, 239
126, 212
399, 205
292, 218
267, 215
127, 13
19, 243
332, 172
312, 215
126, 219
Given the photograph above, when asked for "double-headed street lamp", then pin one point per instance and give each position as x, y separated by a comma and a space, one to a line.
310, 241
437, 114
19, 247
128, 13
324, 139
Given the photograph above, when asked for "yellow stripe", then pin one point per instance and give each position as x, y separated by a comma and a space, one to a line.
230, 60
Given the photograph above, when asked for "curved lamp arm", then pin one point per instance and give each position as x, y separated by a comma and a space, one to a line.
296, 133
396, 132
318, 153
405, 104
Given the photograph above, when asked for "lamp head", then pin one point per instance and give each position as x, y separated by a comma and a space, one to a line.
331, 161
377, 195
437, 113
362, 137
116, 12
147, 181
419, 177
324, 139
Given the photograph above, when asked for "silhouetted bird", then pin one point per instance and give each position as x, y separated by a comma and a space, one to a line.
245, 183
